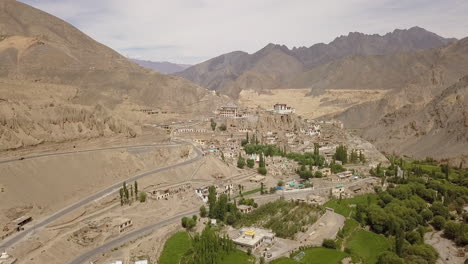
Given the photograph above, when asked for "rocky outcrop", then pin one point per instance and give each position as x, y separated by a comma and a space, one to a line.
22, 125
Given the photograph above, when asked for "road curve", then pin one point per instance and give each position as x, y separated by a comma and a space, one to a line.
128, 237
109, 190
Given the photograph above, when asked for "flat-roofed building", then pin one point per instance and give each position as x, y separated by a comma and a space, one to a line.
245, 209
229, 110
283, 109
252, 237
122, 224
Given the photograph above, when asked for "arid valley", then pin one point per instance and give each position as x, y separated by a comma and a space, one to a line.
351, 151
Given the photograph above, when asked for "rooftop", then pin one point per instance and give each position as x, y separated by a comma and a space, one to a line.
251, 236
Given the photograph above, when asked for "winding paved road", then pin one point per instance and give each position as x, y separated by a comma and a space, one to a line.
109, 190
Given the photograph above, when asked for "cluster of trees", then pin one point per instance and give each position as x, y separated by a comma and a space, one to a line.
341, 154
130, 194
267, 150
307, 159
189, 223
208, 248
405, 212
220, 208
248, 201
284, 218
307, 173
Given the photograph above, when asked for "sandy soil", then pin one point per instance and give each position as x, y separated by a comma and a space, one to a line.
43, 185
446, 248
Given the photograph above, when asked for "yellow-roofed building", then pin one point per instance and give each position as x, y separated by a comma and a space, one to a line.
252, 237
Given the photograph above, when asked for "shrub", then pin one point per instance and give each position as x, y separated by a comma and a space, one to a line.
142, 197
203, 211
329, 243
262, 170
438, 222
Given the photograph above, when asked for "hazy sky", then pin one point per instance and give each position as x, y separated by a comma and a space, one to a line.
191, 31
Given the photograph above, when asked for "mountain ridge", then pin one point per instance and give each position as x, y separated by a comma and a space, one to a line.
250, 70
164, 67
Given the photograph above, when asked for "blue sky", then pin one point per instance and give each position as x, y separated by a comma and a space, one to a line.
191, 31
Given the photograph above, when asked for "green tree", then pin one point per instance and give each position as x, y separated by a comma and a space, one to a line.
203, 212
341, 154
121, 192
399, 242
211, 201
213, 125
142, 197
316, 149
362, 158
389, 257
125, 190
250, 163
222, 127
438, 222
261, 162
240, 162
262, 170
414, 237
451, 230
136, 189
354, 156
329, 243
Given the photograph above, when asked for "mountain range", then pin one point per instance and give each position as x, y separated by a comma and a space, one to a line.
412, 70
162, 67
58, 84
276, 66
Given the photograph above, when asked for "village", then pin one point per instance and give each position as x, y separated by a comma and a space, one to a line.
222, 135
223, 139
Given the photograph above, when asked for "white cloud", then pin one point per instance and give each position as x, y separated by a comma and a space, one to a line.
189, 31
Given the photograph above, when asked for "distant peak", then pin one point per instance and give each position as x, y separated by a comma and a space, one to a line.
272, 46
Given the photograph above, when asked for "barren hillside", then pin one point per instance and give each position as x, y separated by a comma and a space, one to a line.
59, 84
439, 129
416, 79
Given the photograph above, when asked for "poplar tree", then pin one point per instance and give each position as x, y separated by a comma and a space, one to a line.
136, 189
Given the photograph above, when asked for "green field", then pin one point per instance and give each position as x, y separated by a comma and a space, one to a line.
367, 245
251, 192
343, 207
316, 256
179, 243
174, 248
238, 257
283, 261
348, 227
